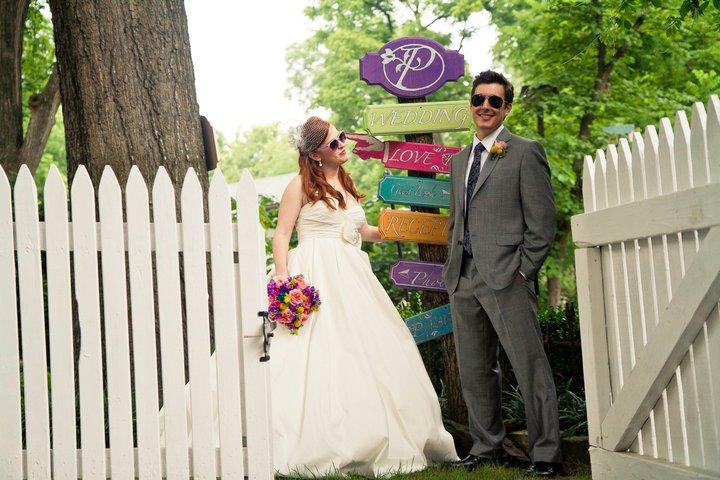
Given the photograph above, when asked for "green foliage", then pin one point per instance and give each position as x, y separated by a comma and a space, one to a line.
560, 327
38, 51
324, 68
54, 153
583, 66
561, 338
572, 411
264, 150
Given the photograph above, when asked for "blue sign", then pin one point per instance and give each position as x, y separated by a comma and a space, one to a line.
430, 325
414, 191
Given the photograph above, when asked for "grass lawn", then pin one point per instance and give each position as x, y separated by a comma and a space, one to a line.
482, 473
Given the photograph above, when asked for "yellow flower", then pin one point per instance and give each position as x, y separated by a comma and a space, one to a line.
499, 148
297, 323
300, 309
283, 307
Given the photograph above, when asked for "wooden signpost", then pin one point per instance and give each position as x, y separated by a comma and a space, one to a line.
416, 157
417, 227
415, 191
408, 68
425, 117
418, 275
412, 67
430, 325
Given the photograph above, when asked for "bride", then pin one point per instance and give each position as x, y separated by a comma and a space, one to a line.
350, 393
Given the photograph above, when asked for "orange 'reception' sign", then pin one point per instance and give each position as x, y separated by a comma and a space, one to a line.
406, 226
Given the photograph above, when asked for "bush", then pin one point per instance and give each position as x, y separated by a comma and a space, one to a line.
571, 410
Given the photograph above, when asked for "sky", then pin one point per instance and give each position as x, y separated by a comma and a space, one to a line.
238, 50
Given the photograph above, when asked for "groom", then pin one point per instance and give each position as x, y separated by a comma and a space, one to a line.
501, 224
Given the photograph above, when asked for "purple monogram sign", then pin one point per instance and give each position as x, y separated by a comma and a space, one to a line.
412, 67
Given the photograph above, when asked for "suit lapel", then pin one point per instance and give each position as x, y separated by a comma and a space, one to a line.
491, 161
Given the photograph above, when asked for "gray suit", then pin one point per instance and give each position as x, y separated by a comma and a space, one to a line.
511, 217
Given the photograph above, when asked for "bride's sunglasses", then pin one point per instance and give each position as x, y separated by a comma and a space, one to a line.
334, 144
478, 100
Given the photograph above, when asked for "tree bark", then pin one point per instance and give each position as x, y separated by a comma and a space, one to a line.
16, 149
456, 408
128, 88
128, 93
12, 24
44, 106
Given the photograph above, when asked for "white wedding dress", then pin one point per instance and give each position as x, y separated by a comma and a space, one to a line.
350, 393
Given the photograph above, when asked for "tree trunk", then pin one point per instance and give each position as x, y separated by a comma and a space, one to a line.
456, 409
12, 22
128, 88
128, 92
16, 150
44, 106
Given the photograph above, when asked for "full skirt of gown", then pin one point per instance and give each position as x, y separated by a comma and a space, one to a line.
350, 393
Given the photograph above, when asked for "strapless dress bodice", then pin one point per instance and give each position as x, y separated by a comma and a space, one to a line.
318, 221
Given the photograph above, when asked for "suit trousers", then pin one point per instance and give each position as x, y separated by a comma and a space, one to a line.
483, 319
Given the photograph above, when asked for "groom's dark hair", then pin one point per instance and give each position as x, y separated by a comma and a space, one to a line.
490, 76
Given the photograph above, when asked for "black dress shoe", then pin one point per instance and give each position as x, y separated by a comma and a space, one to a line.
544, 469
471, 462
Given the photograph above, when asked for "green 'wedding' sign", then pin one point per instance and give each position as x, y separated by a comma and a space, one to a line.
404, 118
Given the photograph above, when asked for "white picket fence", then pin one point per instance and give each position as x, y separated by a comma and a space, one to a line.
89, 266
648, 277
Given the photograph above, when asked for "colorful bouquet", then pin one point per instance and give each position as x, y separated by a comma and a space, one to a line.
291, 301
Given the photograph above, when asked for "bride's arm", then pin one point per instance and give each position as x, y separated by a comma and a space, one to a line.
369, 233
290, 205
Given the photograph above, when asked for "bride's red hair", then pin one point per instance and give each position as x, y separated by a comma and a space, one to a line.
314, 185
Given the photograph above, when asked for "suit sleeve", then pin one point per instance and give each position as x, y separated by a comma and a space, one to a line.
538, 206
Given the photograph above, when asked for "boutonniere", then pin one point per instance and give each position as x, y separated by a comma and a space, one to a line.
499, 149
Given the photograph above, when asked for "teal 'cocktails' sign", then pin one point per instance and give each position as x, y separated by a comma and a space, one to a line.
414, 191
403, 118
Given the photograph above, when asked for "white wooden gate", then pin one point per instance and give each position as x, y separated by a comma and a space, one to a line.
648, 278
109, 425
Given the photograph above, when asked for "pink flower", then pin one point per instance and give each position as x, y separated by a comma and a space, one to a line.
296, 296
499, 149
287, 317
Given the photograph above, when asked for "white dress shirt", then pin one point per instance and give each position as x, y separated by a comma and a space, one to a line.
487, 143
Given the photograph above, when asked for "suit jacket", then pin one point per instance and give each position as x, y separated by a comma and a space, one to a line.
511, 213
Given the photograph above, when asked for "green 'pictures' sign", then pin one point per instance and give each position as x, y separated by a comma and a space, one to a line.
404, 118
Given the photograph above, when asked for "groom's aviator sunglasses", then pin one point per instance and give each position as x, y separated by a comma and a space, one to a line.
334, 144
478, 100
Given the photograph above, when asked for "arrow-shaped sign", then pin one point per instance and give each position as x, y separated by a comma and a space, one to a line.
417, 157
418, 275
430, 325
406, 226
414, 191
